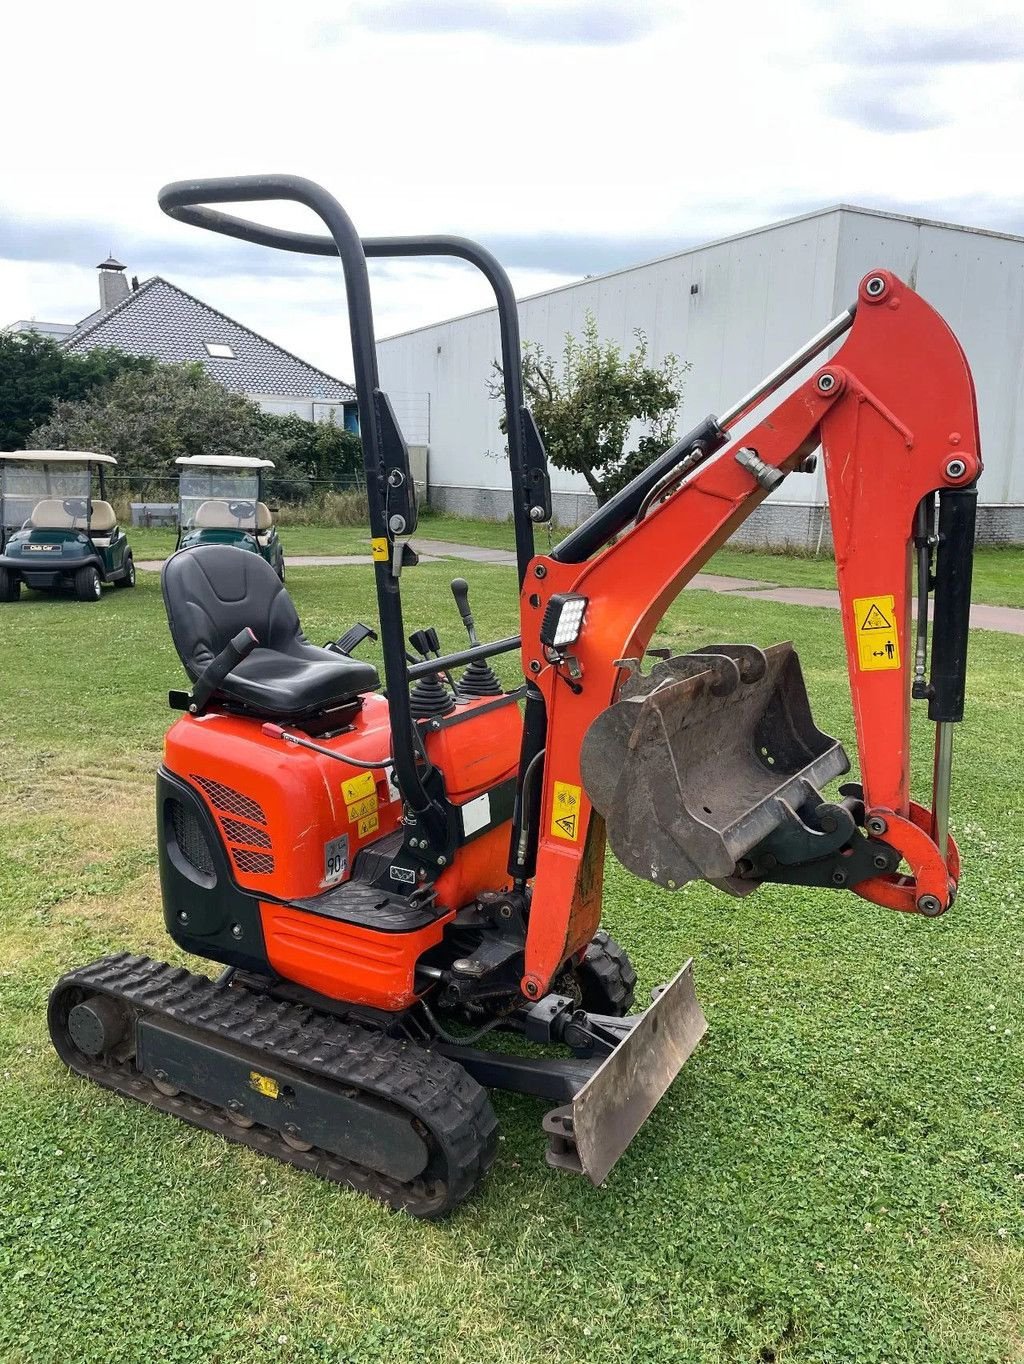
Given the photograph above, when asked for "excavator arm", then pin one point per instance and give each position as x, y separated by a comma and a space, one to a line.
726, 732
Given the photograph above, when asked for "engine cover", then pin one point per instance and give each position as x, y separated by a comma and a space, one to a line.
292, 820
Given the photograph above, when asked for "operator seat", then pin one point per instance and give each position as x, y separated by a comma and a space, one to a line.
212, 593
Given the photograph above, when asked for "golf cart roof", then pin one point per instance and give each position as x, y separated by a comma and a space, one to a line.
224, 462
57, 456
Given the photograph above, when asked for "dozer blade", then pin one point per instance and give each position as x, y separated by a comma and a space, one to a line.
706, 758
590, 1134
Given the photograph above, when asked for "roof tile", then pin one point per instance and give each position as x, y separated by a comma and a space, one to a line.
161, 320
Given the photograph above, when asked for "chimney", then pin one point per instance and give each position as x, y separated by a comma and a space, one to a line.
113, 285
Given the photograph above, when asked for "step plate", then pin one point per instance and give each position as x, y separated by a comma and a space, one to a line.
589, 1135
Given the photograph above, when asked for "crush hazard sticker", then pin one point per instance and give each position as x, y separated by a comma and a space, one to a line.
565, 811
878, 644
358, 788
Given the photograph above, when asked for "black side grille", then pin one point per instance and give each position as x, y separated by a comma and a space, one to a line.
231, 802
189, 836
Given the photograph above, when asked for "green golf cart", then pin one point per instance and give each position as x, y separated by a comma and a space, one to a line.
54, 534
220, 502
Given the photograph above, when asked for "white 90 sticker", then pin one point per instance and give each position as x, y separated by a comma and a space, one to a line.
335, 859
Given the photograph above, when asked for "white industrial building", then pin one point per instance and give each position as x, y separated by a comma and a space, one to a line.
733, 309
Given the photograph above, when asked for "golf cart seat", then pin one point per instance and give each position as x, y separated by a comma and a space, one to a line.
264, 523
103, 520
213, 514
70, 514
213, 593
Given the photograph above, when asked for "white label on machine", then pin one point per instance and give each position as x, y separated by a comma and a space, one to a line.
476, 814
393, 791
335, 859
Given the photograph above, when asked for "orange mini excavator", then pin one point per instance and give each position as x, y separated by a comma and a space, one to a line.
389, 876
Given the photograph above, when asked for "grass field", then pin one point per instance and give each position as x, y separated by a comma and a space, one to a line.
998, 573
837, 1176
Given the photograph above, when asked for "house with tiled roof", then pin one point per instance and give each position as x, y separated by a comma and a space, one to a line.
158, 318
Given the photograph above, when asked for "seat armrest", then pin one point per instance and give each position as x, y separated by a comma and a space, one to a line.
218, 668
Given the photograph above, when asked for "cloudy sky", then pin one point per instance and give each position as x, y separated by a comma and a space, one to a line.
570, 137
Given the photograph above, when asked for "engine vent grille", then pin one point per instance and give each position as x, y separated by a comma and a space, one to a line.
256, 863
237, 832
230, 801
188, 834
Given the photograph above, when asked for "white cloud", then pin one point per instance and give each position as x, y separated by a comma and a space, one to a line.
662, 123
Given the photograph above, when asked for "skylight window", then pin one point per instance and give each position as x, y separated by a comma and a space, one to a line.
220, 350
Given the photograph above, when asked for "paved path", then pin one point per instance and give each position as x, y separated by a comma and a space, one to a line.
1008, 620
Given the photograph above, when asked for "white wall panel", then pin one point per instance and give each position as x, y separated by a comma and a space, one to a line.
758, 298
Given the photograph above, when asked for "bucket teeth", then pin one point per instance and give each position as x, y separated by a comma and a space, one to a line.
702, 759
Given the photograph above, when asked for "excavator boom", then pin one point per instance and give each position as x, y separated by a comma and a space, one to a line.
657, 758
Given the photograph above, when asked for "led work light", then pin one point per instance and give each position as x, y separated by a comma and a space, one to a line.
563, 620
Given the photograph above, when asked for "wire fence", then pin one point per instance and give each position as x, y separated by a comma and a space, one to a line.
164, 487
152, 499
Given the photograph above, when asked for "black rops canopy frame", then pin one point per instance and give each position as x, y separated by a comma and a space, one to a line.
389, 485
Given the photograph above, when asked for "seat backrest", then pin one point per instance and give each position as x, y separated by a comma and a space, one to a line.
214, 591
213, 514
103, 519
50, 515
264, 520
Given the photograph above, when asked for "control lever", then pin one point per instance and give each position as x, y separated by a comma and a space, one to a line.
460, 591
351, 639
479, 679
427, 645
425, 642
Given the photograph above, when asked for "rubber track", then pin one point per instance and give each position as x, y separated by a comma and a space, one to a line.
434, 1090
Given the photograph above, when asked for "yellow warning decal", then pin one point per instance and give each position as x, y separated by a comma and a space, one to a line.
263, 1084
565, 811
379, 549
358, 788
367, 825
367, 806
878, 644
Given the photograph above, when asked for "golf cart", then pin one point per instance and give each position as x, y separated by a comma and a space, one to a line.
220, 502
53, 532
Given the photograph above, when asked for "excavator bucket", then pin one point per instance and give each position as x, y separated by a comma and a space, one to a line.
708, 760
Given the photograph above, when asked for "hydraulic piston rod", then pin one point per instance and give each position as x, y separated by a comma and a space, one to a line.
835, 329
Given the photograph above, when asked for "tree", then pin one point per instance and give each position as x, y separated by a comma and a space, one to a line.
35, 373
148, 419
328, 452
597, 403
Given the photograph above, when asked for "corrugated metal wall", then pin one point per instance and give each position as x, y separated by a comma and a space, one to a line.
734, 310
976, 281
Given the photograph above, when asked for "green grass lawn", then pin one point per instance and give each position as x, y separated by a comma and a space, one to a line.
837, 1176
158, 543
998, 573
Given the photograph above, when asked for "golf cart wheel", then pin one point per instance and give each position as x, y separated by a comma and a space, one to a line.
606, 977
87, 584
129, 578
280, 569
10, 586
